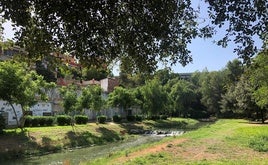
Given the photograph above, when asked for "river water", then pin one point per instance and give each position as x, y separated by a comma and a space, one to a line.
74, 156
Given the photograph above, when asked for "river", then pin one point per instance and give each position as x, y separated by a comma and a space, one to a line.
74, 156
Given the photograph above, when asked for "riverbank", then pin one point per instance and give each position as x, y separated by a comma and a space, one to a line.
46, 140
224, 142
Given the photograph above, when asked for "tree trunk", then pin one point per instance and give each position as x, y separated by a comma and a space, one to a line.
262, 117
22, 119
16, 116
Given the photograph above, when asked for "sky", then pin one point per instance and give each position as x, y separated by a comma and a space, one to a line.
205, 53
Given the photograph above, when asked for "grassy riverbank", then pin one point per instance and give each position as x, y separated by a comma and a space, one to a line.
44, 140
225, 142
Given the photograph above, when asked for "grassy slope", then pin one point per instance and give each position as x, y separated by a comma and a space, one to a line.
41, 140
225, 142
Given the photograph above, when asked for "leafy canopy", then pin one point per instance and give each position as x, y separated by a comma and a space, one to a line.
138, 33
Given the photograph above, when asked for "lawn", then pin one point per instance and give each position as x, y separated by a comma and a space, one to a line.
224, 142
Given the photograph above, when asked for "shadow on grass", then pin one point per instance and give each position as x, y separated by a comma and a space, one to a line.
16, 145
88, 139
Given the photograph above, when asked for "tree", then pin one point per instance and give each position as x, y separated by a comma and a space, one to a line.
244, 21
232, 72
212, 90
18, 85
139, 33
244, 96
121, 97
183, 96
155, 98
69, 98
259, 77
91, 98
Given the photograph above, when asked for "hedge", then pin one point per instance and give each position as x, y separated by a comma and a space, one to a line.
117, 118
138, 118
64, 120
2, 124
102, 119
35, 121
81, 119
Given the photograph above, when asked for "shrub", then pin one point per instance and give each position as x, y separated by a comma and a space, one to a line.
117, 118
163, 117
81, 119
139, 118
35, 121
102, 119
2, 124
64, 120
155, 117
42, 120
131, 118
49, 120
28, 121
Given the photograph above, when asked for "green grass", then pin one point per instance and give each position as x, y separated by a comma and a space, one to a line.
234, 142
38, 140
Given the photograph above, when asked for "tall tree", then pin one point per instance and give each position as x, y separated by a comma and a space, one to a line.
244, 21
183, 97
69, 96
259, 77
139, 33
91, 98
155, 98
18, 85
121, 97
212, 90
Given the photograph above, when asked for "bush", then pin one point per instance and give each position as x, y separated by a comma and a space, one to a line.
64, 120
35, 121
117, 118
139, 118
49, 121
2, 124
42, 120
28, 121
155, 117
131, 118
81, 119
102, 119
163, 117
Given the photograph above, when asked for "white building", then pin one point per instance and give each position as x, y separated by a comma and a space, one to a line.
39, 109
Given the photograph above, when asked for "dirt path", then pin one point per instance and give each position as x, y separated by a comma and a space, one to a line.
150, 150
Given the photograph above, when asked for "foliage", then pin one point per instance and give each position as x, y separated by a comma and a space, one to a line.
45, 71
244, 20
63, 120
108, 30
212, 89
183, 96
259, 77
69, 98
81, 119
139, 34
102, 119
2, 124
154, 97
121, 97
117, 118
21, 86
35, 121
139, 118
90, 73
131, 118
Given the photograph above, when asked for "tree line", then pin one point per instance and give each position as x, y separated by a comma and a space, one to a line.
236, 91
